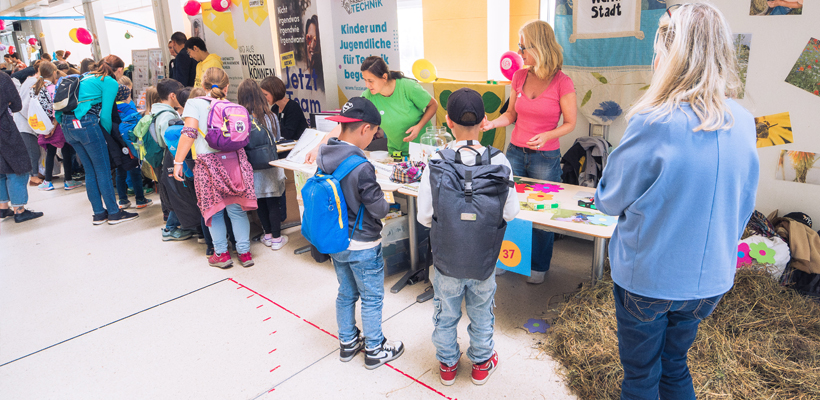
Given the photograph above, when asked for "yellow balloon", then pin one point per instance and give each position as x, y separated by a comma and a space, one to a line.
424, 70
73, 35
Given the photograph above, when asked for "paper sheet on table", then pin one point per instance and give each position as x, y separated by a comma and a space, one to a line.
323, 124
309, 139
583, 195
421, 152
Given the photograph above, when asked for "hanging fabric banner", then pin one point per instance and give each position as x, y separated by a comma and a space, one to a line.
362, 29
610, 68
493, 97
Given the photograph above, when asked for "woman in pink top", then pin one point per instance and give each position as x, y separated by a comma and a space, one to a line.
540, 95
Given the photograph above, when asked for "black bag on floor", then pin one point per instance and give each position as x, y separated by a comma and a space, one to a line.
181, 196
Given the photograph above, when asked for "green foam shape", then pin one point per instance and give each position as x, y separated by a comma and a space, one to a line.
443, 97
491, 102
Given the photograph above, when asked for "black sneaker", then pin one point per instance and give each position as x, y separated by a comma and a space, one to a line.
6, 213
26, 215
384, 353
100, 219
121, 216
349, 350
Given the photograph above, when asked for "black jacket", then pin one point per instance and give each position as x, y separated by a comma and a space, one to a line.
292, 120
184, 68
359, 187
13, 155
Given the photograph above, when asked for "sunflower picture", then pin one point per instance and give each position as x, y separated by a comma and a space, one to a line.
774, 130
798, 166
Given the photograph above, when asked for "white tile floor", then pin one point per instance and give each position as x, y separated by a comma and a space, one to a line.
113, 312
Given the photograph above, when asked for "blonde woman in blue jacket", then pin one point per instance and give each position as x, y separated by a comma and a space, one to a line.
682, 183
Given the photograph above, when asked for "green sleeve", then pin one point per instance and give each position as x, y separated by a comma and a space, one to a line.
417, 95
109, 94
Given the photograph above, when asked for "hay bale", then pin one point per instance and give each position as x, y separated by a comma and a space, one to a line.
762, 342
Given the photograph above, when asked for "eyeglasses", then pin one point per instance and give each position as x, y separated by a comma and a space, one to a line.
672, 8
309, 39
522, 48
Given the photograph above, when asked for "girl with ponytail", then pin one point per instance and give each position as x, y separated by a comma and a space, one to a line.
223, 180
83, 129
43, 90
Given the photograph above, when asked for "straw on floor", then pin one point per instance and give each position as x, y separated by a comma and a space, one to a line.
762, 342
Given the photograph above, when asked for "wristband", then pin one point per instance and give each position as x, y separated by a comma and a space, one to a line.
178, 163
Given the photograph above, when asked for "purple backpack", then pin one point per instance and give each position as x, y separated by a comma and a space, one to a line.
229, 125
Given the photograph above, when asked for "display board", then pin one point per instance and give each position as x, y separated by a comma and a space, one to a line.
252, 26
220, 39
300, 53
140, 76
362, 29
492, 96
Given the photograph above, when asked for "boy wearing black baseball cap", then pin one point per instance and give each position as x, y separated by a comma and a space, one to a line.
470, 278
360, 268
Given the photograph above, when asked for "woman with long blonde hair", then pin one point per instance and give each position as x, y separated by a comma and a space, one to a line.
683, 183
540, 95
223, 180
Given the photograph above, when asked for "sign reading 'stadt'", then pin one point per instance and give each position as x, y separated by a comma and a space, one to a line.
597, 19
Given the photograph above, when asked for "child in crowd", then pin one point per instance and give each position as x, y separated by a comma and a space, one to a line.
44, 90
128, 120
223, 181
269, 182
459, 275
360, 268
164, 110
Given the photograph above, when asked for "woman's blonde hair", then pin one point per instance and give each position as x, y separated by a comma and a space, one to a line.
215, 80
124, 80
539, 39
151, 98
197, 92
697, 64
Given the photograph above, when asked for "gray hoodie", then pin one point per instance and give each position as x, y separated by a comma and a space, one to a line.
359, 187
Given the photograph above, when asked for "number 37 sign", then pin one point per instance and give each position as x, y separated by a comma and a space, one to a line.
516, 249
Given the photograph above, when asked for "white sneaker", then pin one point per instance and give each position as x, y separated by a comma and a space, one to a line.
274, 245
536, 277
499, 271
266, 241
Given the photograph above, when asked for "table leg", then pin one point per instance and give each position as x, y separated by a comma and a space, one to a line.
598, 257
411, 276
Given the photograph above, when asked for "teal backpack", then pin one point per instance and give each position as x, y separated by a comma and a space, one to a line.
144, 137
324, 222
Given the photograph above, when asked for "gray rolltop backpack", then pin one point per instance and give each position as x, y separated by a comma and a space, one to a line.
468, 213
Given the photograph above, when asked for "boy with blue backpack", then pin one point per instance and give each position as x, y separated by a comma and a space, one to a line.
128, 120
357, 251
466, 196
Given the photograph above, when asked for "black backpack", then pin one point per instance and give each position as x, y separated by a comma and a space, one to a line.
261, 147
468, 213
67, 93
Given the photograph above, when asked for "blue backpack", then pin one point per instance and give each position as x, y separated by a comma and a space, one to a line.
324, 222
171, 136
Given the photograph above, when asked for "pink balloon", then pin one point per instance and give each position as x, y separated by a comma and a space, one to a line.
11, 49
2, 24
84, 36
192, 8
32, 41
510, 62
221, 5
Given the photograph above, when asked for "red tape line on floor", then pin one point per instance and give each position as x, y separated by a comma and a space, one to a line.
334, 336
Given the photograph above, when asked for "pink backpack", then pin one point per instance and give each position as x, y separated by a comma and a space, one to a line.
229, 125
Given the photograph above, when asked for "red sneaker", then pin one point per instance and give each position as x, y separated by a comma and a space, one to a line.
246, 259
481, 372
220, 260
448, 374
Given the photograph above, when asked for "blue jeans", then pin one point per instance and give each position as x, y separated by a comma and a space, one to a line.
172, 222
480, 299
241, 229
654, 337
89, 143
360, 274
543, 165
13, 188
122, 184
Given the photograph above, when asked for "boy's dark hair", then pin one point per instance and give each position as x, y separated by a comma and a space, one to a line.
469, 118
195, 41
167, 86
352, 126
183, 95
179, 38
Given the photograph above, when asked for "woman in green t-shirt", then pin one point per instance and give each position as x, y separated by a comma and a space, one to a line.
405, 106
